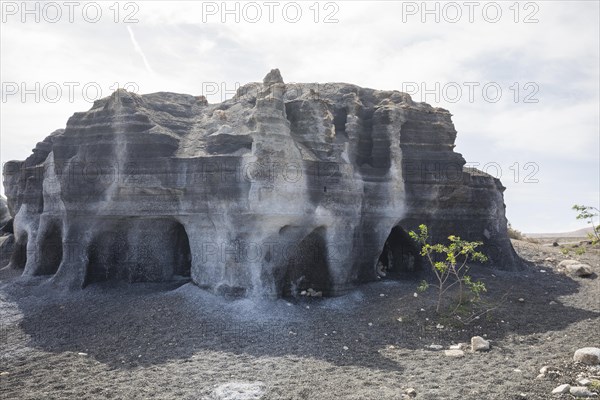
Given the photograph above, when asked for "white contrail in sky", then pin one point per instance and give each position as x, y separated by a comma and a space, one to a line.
138, 49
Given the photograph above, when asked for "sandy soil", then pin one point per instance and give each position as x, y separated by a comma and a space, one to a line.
166, 341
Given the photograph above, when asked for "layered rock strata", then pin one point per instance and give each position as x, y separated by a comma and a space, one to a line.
282, 188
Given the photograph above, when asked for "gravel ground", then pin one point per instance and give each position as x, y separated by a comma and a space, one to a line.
175, 341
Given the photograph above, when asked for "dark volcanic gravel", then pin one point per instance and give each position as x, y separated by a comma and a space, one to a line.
174, 341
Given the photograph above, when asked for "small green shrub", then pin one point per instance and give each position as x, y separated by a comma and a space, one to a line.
453, 270
589, 213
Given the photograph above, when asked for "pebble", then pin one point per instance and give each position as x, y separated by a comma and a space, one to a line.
581, 391
435, 347
439, 326
562, 389
381, 295
521, 300
479, 344
82, 354
239, 390
370, 324
454, 353
584, 382
345, 347
411, 392
415, 294
399, 319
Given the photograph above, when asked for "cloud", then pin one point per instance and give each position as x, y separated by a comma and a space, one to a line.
370, 46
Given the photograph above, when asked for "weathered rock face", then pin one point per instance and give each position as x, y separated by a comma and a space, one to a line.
4, 213
282, 188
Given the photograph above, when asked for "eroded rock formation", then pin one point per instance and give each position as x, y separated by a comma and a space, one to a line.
284, 187
4, 214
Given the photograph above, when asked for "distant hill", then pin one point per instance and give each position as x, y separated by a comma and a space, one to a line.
574, 234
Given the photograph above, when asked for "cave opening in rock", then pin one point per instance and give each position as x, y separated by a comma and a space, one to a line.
340, 117
306, 268
182, 265
19, 256
400, 257
107, 257
140, 250
51, 250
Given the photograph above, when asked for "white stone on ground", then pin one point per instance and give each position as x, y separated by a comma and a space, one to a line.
479, 344
544, 369
574, 267
435, 347
587, 355
581, 391
239, 391
562, 389
454, 353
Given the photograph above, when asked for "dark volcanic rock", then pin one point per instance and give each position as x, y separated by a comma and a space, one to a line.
7, 244
282, 188
4, 213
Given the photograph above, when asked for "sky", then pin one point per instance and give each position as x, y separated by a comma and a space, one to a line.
522, 79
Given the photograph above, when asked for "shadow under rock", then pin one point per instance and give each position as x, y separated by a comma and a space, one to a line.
126, 326
146, 324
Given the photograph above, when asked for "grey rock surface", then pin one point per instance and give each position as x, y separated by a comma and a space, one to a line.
581, 391
587, 355
7, 243
479, 344
454, 353
4, 214
574, 268
282, 188
561, 389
